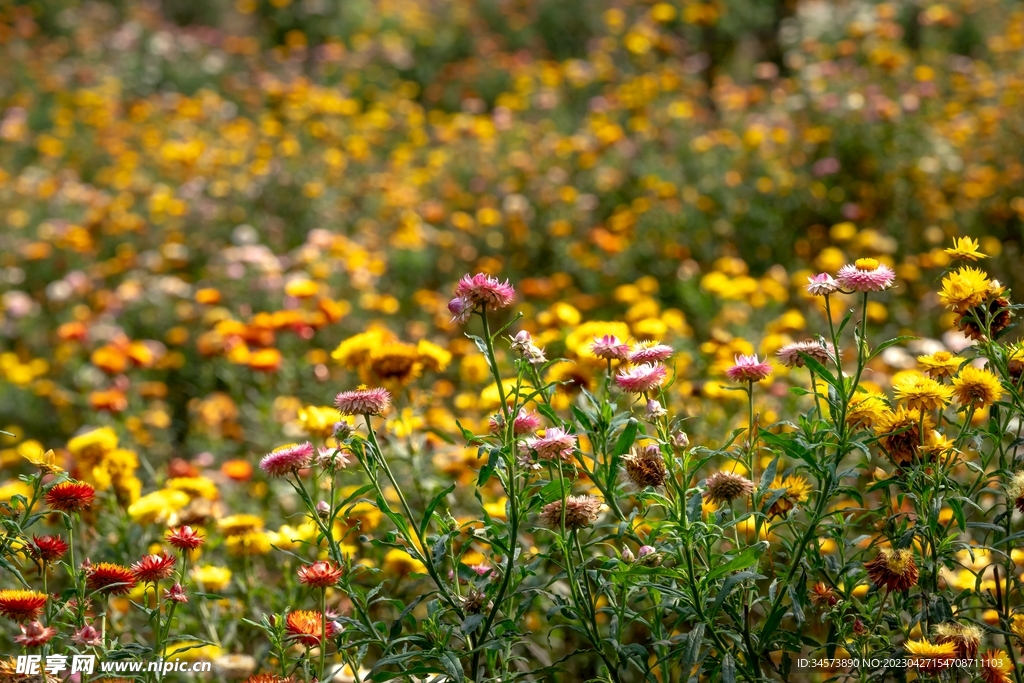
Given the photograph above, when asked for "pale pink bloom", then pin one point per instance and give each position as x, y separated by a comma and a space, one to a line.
646, 550
176, 593
789, 355
865, 280
524, 423
640, 379
287, 459
484, 291
87, 636
331, 458
609, 347
650, 352
654, 410
461, 309
822, 284
363, 401
556, 443
749, 369
481, 569
522, 341
35, 634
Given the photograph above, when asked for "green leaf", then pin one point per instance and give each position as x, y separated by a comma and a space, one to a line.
626, 438
727, 587
470, 623
891, 342
452, 666
728, 669
958, 513
433, 506
749, 557
768, 476
692, 649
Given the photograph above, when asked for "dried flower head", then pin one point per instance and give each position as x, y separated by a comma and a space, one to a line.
791, 355
286, 459
645, 467
865, 275
998, 313
749, 369
893, 569
580, 512
1015, 490
725, 487
320, 574
363, 401
822, 594
331, 459
966, 638
641, 379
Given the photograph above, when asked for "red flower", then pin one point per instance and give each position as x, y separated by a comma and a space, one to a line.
185, 538
48, 548
152, 568
35, 634
176, 594
306, 627
110, 578
21, 605
70, 496
319, 574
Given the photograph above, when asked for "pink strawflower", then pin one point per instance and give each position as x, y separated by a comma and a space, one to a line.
35, 634
866, 275
609, 347
749, 369
556, 443
363, 401
789, 355
331, 459
524, 423
286, 459
640, 379
460, 308
822, 284
650, 352
87, 636
176, 593
484, 291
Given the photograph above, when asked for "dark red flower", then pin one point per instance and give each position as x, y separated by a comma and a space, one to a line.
21, 605
70, 496
110, 578
154, 567
48, 548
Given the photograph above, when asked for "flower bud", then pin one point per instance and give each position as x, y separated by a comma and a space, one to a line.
654, 410
342, 430
627, 555
323, 509
680, 440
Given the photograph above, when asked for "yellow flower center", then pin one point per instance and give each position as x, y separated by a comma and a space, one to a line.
866, 264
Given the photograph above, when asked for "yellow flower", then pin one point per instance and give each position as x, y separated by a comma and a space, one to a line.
236, 525
190, 651
45, 461
196, 487
899, 433
248, 544
964, 289
93, 445
395, 362
354, 351
157, 506
319, 420
965, 248
579, 340
866, 408
940, 364
1017, 625
400, 562
976, 387
11, 488
212, 578
797, 491
921, 392
433, 358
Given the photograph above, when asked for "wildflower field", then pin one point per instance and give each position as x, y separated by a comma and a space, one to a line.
512, 340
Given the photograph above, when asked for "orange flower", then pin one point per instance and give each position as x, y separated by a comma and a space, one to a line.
267, 360
307, 627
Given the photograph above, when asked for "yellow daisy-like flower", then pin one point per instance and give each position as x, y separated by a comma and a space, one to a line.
319, 420
899, 433
212, 578
45, 461
158, 506
797, 491
996, 667
930, 657
965, 248
964, 288
976, 387
248, 544
940, 364
236, 525
921, 392
1017, 624
433, 358
197, 487
866, 408
354, 351
397, 363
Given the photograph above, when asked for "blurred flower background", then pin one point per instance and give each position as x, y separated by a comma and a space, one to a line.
215, 216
